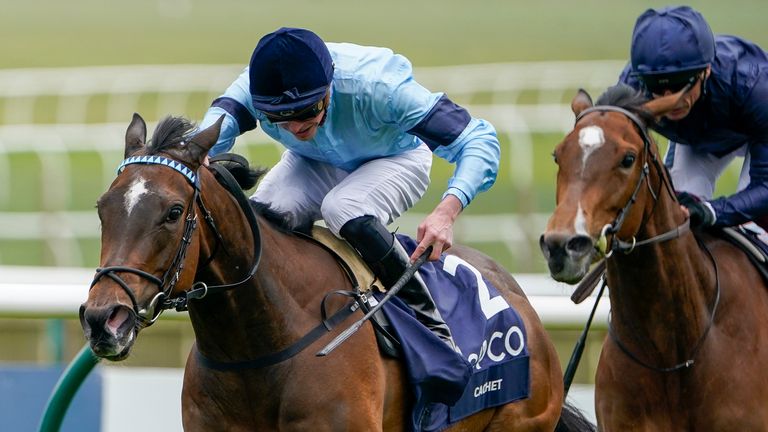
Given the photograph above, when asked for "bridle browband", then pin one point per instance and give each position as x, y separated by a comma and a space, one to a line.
627, 247
614, 227
163, 300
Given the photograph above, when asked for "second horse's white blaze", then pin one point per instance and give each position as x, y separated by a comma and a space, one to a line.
591, 138
580, 222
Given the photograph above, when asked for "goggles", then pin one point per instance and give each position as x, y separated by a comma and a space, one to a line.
658, 84
303, 114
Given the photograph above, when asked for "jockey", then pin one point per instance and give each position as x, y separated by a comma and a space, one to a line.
359, 133
723, 112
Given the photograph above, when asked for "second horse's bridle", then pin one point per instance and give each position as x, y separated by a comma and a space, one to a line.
614, 227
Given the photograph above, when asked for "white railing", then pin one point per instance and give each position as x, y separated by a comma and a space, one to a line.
42, 292
520, 99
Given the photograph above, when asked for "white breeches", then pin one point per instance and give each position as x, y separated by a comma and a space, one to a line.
384, 188
697, 173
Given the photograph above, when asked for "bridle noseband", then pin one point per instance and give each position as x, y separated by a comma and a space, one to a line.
614, 227
162, 300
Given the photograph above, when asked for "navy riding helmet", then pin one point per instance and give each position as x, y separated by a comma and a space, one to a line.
671, 44
290, 71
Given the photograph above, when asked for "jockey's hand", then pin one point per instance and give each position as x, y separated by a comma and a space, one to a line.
700, 214
437, 229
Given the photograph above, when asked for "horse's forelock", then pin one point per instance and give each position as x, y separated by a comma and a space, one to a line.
624, 96
169, 133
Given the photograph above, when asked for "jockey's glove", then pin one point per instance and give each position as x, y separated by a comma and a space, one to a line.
702, 213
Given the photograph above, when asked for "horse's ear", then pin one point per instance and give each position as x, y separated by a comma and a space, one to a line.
660, 106
580, 102
135, 136
205, 139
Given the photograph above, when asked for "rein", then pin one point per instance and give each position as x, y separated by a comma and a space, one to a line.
614, 227
687, 363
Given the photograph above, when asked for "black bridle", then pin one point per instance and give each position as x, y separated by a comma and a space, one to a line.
628, 247
163, 300
613, 228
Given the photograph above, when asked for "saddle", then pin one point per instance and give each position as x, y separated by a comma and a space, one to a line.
363, 281
747, 238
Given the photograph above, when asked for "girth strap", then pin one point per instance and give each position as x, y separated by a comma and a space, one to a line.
324, 327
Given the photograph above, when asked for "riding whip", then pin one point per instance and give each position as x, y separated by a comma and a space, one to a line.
343, 336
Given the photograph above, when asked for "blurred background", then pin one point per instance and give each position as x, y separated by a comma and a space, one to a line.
72, 74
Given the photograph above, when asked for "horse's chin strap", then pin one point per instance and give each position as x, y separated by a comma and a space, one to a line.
627, 247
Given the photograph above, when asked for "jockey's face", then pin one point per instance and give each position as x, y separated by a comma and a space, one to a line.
304, 130
685, 104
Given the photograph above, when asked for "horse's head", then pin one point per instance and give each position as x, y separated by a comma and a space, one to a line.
608, 169
149, 246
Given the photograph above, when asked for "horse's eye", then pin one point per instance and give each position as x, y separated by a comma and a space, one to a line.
175, 213
628, 160
554, 157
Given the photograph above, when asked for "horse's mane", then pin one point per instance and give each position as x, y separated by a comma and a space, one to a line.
282, 221
624, 96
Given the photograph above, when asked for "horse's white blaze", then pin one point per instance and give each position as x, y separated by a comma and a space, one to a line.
137, 189
590, 139
580, 223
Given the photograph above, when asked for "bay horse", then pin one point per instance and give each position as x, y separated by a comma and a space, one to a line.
689, 312
258, 293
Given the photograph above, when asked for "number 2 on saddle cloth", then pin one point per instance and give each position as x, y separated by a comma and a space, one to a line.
493, 365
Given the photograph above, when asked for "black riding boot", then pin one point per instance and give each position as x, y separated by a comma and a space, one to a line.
388, 261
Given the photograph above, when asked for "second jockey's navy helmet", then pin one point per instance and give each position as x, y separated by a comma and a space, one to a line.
671, 40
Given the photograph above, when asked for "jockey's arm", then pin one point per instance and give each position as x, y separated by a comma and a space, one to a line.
751, 202
240, 116
475, 150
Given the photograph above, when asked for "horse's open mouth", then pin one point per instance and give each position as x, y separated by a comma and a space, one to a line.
113, 349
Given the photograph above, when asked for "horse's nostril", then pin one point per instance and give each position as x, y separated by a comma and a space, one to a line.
544, 246
579, 245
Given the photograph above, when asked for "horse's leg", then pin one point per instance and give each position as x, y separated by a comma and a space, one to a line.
205, 407
397, 398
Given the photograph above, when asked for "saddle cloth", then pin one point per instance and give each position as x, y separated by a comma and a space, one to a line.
492, 368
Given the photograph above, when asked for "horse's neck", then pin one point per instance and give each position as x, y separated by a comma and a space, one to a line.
662, 292
264, 314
